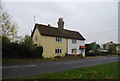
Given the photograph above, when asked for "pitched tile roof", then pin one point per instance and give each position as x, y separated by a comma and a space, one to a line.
57, 32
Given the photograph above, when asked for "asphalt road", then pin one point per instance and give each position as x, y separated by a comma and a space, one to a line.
22, 69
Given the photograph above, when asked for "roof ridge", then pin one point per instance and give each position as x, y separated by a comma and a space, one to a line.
57, 28
46, 25
71, 30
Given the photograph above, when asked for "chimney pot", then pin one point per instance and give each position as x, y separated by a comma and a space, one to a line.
61, 23
49, 25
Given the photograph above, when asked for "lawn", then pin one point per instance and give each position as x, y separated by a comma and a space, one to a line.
103, 71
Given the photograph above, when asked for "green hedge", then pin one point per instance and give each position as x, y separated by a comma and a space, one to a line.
16, 51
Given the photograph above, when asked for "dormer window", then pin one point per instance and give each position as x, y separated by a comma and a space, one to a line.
58, 39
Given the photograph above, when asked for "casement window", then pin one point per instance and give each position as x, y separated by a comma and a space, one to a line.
74, 50
36, 38
74, 41
58, 39
58, 50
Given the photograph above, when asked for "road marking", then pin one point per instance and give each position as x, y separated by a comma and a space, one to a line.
19, 66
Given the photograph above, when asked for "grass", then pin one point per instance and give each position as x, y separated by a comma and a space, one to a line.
46, 59
103, 71
39, 59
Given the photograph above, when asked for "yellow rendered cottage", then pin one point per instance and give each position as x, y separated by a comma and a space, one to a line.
56, 41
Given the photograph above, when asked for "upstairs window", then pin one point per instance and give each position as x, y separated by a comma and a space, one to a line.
74, 41
58, 50
58, 39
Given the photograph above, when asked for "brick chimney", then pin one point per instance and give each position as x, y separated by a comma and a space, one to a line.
60, 23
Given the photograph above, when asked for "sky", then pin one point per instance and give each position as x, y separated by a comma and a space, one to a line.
95, 20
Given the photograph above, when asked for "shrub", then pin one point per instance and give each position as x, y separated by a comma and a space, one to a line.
39, 50
17, 51
112, 49
66, 54
57, 57
5, 40
90, 54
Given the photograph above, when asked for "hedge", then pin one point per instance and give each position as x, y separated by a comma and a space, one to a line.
16, 51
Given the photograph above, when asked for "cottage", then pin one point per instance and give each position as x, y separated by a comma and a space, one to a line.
118, 48
106, 45
58, 41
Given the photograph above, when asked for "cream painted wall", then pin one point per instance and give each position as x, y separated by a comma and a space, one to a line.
36, 33
49, 44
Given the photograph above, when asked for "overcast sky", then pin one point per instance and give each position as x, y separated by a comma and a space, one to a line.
96, 21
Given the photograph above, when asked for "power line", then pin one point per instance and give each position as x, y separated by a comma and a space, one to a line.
103, 32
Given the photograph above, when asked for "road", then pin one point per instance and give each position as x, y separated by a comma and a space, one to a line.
22, 69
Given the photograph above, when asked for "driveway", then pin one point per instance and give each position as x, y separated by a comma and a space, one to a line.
22, 69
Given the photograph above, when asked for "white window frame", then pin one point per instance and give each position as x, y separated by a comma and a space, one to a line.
58, 39
58, 50
74, 41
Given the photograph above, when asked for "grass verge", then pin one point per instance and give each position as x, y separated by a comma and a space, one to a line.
47, 59
39, 59
102, 71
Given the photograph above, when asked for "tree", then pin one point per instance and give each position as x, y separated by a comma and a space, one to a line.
24, 49
88, 48
112, 49
92, 49
95, 46
7, 26
28, 41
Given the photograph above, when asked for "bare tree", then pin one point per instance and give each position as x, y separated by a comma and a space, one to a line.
7, 26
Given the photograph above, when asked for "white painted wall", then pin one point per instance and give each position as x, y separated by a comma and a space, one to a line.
76, 46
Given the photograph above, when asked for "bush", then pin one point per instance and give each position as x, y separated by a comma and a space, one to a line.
66, 54
5, 40
18, 51
39, 50
90, 54
57, 57
112, 49
104, 53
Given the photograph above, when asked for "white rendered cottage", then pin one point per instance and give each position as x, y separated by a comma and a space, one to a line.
76, 47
